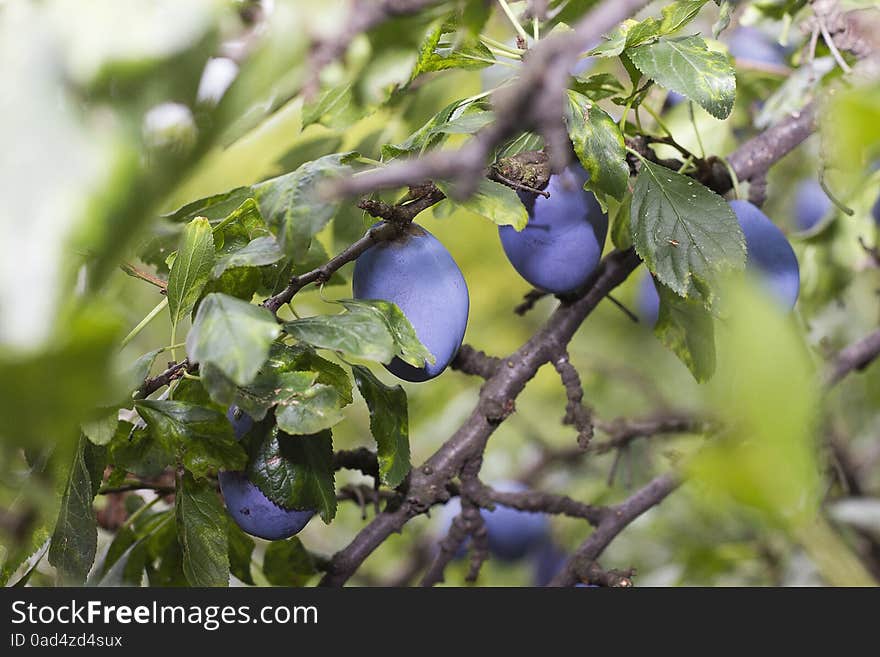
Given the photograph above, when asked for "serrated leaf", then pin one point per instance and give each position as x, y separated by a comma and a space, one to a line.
293, 204
288, 563
407, 345
687, 66
598, 145
389, 424
431, 134
685, 233
201, 437
201, 533
241, 550
598, 86
687, 329
191, 269
615, 41
295, 472
233, 335
444, 49
494, 201
258, 252
678, 14
214, 208
132, 377
141, 452
101, 430
75, 539
334, 107
356, 334
291, 374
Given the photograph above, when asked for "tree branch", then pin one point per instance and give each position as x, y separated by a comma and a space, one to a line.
856, 356
614, 521
534, 102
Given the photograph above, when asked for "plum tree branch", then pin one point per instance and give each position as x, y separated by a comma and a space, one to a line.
614, 521
534, 102
428, 483
855, 357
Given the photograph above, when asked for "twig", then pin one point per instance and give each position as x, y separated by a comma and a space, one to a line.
855, 357
614, 521
577, 414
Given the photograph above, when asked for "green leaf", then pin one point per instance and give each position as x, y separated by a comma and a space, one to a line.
294, 205
495, 202
295, 472
233, 335
102, 429
678, 14
615, 41
452, 119
621, 235
201, 533
191, 269
202, 437
214, 208
687, 66
335, 107
288, 563
685, 233
259, 252
241, 551
598, 145
444, 49
133, 376
598, 87
75, 539
356, 334
389, 424
309, 390
686, 328
408, 347
140, 451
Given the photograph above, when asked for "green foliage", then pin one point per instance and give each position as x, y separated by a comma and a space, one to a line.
232, 335
288, 563
598, 145
190, 270
687, 66
389, 425
685, 233
295, 472
685, 326
201, 533
200, 437
75, 538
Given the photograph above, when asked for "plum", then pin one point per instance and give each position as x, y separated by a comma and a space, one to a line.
648, 301
416, 272
513, 534
769, 253
875, 211
751, 44
562, 243
811, 204
255, 513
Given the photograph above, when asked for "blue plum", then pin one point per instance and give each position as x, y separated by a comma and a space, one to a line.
770, 255
673, 99
648, 301
249, 507
562, 243
548, 561
417, 273
513, 534
875, 211
811, 204
751, 44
